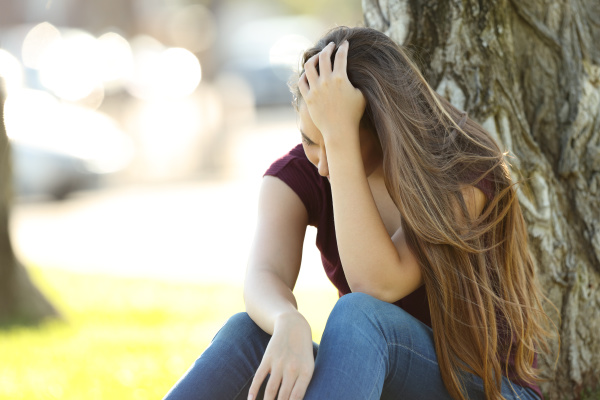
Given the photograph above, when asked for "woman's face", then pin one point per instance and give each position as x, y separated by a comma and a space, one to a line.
314, 145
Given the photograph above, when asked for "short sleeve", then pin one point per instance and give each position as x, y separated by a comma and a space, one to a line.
302, 177
487, 187
485, 184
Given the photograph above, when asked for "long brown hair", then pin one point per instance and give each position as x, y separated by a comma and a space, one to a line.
484, 301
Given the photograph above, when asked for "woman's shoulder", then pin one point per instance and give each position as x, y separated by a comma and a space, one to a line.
302, 177
295, 159
485, 184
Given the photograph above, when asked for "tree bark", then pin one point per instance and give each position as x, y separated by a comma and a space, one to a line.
529, 72
20, 300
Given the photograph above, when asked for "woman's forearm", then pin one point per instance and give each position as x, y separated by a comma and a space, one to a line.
366, 249
268, 299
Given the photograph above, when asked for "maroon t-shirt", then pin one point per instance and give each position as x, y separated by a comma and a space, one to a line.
315, 192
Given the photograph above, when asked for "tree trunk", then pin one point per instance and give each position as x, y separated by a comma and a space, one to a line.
20, 300
529, 72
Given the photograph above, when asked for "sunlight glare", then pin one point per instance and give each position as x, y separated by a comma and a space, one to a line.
29, 114
36, 43
11, 71
70, 67
181, 72
116, 57
172, 73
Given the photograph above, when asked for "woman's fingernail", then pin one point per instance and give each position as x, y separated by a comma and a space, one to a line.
250, 397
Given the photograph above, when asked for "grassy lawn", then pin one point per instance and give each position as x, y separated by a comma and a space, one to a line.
122, 338
125, 338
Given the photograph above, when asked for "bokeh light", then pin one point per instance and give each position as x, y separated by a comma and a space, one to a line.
116, 59
36, 43
19, 108
94, 99
76, 66
11, 71
172, 134
70, 66
180, 72
192, 27
161, 72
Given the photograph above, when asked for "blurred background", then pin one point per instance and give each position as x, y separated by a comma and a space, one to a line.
140, 130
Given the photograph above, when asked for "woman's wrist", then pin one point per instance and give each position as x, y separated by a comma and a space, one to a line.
290, 317
345, 160
342, 139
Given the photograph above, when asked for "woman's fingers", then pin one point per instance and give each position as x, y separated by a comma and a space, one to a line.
277, 384
301, 385
310, 76
273, 385
310, 70
303, 85
341, 59
325, 60
259, 377
287, 384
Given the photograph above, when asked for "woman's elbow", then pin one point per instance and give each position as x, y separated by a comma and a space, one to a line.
380, 293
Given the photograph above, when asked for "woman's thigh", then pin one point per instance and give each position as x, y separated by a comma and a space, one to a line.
228, 363
372, 349
226, 368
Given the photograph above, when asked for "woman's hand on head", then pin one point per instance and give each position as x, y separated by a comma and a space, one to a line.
288, 358
335, 106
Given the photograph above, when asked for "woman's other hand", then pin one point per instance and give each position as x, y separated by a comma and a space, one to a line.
335, 106
288, 358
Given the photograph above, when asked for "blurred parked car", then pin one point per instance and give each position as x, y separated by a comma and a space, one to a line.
41, 172
59, 148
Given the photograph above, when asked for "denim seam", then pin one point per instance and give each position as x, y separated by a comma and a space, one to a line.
396, 369
376, 323
375, 384
403, 346
412, 351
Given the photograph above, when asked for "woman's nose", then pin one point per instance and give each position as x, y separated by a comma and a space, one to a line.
322, 166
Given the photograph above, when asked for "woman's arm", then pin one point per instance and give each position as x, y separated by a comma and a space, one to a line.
276, 253
373, 262
272, 272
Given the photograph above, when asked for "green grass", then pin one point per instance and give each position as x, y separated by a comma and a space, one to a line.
121, 338
125, 338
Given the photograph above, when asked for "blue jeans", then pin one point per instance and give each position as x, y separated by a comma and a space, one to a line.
370, 349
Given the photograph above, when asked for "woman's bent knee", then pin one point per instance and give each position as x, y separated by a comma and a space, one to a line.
239, 326
357, 306
242, 321
358, 299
